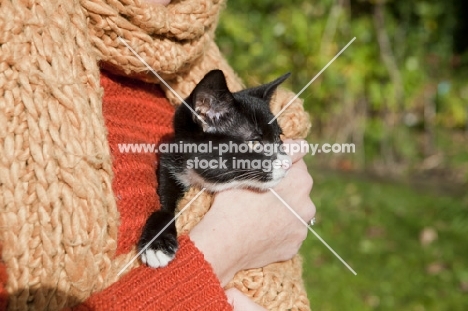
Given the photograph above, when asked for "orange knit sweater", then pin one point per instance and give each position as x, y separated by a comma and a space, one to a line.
136, 112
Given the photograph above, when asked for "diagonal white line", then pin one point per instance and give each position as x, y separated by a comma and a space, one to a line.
161, 79
311, 230
156, 236
310, 82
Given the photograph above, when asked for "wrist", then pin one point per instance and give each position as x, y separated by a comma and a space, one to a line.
215, 252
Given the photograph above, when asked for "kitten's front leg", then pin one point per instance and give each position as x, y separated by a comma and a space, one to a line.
162, 250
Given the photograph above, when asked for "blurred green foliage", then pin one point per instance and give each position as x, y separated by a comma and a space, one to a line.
400, 83
406, 243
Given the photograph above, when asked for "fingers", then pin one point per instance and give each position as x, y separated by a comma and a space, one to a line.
306, 212
299, 179
309, 212
300, 164
294, 149
305, 209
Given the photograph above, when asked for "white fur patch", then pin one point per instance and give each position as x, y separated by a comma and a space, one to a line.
280, 172
155, 259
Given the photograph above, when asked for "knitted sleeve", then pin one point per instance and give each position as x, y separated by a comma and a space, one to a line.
187, 283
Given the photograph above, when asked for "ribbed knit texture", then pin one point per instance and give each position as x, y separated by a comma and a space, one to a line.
187, 283
137, 112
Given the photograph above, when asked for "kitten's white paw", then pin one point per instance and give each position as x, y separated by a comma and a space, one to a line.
155, 259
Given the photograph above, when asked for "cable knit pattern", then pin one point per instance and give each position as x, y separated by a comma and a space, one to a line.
58, 214
62, 231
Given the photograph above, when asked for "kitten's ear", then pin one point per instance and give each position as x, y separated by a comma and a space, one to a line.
266, 91
211, 99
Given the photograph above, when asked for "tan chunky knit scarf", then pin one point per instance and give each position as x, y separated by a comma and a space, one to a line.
57, 208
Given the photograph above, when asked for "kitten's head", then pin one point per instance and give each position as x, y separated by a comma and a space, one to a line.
242, 117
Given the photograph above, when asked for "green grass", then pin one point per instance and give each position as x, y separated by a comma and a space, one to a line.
376, 228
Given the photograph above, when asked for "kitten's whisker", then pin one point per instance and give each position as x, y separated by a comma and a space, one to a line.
244, 172
247, 174
227, 172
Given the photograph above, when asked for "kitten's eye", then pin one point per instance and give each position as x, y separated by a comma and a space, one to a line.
254, 144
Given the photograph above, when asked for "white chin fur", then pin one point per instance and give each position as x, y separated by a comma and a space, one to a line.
279, 173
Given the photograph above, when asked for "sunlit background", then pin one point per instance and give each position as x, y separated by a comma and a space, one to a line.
397, 209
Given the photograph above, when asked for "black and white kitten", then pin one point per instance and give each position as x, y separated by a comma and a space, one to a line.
239, 118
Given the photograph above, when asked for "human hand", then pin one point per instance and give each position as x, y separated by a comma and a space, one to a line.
246, 229
240, 302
